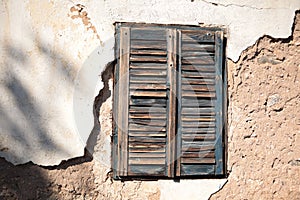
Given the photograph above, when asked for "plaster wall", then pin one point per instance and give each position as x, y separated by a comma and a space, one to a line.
52, 55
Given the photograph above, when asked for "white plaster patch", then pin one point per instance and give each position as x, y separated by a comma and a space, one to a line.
190, 189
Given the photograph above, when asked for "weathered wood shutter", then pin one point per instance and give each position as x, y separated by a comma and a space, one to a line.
168, 103
146, 102
200, 108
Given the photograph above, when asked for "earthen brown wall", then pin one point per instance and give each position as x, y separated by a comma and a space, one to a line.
264, 121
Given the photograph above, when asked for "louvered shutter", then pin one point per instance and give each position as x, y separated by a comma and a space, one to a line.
200, 110
169, 102
145, 93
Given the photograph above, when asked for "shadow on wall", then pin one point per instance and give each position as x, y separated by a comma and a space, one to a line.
65, 181
21, 182
29, 181
21, 108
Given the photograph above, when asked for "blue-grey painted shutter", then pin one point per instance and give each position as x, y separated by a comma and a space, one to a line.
200, 108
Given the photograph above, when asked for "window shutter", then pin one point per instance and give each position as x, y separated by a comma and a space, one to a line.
145, 101
170, 101
200, 94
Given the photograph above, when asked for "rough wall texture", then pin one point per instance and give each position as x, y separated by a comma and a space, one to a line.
264, 121
263, 140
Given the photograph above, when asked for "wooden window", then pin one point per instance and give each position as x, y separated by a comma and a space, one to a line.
169, 102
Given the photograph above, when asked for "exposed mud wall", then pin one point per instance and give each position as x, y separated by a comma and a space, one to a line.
264, 121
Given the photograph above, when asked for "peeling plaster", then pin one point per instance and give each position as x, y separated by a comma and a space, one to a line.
79, 11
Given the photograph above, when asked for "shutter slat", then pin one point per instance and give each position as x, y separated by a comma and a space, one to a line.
146, 93
147, 155
197, 169
150, 170
198, 75
147, 139
143, 81
198, 131
147, 149
197, 53
138, 127
187, 124
204, 136
149, 52
193, 81
198, 68
148, 101
147, 134
149, 117
201, 36
151, 34
196, 94
147, 80
198, 148
148, 73
148, 86
136, 109
199, 61
144, 44
145, 161
205, 88
201, 111
148, 58
201, 154
144, 145
198, 47
198, 160
187, 74
197, 102
146, 66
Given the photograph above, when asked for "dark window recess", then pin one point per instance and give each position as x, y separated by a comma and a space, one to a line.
170, 102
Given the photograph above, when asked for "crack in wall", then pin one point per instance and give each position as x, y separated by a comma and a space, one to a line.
237, 5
